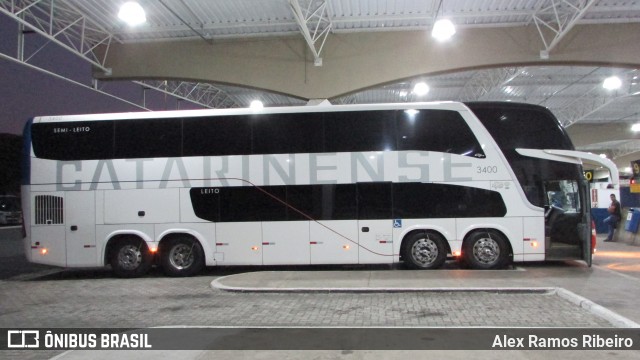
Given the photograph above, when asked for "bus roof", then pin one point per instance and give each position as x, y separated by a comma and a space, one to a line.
444, 105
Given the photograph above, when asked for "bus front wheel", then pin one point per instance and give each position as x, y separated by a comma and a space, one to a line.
182, 256
424, 250
130, 257
486, 250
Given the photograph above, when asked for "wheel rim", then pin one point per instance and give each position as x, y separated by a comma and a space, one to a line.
181, 256
129, 257
424, 251
486, 250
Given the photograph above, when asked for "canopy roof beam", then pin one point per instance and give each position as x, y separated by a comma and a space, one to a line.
315, 25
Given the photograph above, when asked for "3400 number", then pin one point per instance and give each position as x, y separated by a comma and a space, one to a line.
487, 169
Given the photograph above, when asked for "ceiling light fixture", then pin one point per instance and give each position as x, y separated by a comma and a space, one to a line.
443, 30
132, 13
421, 89
612, 83
256, 105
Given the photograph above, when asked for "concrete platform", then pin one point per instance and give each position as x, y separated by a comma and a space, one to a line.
610, 287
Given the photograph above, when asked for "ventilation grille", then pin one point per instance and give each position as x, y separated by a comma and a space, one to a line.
49, 210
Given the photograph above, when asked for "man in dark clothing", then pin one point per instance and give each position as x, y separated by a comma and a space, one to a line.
614, 217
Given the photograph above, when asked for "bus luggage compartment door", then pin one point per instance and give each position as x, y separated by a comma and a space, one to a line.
375, 241
80, 228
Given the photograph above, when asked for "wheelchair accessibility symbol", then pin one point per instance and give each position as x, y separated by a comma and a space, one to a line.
397, 223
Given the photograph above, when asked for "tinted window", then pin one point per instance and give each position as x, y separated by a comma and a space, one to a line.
148, 138
288, 134
206, 203
219, 135
374, 200
437, 130
531, 127
80, 140
238, 204
360, 131
339, 202
417, 200
251, 204
521, 126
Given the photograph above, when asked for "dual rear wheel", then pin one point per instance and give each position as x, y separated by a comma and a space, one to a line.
481, 250
179, 256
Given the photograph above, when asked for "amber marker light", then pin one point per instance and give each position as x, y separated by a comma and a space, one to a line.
254, 248
153, 250
457, 253
534, 244
43, 251
346, 247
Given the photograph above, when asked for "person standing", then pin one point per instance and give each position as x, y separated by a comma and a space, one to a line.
614, 217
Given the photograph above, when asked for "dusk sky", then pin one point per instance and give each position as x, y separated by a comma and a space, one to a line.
26, 92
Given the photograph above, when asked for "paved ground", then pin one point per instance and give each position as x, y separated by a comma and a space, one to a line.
40, 296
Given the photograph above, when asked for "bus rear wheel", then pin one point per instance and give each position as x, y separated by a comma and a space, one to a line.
424, 250
130, 257
182, 256
486, 250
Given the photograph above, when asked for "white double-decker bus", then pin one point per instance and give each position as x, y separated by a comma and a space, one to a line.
487, 183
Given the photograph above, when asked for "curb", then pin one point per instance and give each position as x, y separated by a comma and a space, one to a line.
612, 317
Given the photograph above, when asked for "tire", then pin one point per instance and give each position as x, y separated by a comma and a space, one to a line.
485, 250
424, 250
130, 258
182, 256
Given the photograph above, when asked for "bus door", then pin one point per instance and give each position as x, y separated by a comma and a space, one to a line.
375, 224
80, 228
567, 205
565, 221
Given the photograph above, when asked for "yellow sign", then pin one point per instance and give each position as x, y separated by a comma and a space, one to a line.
635, 188
588, 175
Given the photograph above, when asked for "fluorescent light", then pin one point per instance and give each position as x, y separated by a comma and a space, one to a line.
443, 30
132, 13
635, 127
421, 89
612, 83
256, 105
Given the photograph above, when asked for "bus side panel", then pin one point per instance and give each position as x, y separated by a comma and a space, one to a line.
285, 242
375, 241
239, 243
334, 242
51, 248
145, 206
534, 239
47, 243
80, 228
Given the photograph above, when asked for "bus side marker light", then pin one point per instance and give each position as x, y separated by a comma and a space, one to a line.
153, 250
457, 253
534, 244
254, 248
43, 251
346, 247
